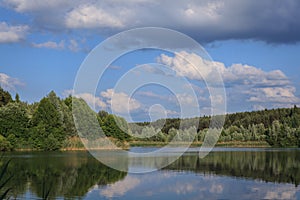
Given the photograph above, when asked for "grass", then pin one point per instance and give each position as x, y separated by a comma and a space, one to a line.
75, 144
198, 144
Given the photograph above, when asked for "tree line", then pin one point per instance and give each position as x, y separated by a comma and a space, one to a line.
45, 125
278, 127
49, 125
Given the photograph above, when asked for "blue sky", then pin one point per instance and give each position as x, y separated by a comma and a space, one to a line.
256, 44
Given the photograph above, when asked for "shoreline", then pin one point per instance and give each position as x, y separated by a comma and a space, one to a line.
66, 149
245, 144
231, 144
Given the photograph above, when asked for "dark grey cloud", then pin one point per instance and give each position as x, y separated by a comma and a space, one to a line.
271, 21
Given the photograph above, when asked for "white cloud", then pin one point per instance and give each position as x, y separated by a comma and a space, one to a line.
258, 107
74, 46
120, 102
184, 98
195, 67
187, 99
90, 16
250, 75
274, 95
149, 68
9, 83
184, 68
120, 188
153, 95
35, 5
158, 111
50, 45
217, 99
245, 80
9, 34
149, 94
90, 99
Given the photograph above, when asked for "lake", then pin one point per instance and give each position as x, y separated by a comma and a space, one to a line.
226, 173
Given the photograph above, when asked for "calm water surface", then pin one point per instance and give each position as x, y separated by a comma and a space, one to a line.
226, 173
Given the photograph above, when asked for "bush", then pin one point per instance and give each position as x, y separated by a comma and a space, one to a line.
5, 144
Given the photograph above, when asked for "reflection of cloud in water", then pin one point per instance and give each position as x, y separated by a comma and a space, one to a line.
121, 187
184, 188
199, 187
216, 188
188, 186
282, 193
273, 191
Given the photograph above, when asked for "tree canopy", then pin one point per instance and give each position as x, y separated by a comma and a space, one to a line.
49, 125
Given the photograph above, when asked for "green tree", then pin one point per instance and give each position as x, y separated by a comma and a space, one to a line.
4, 144
68, 121
5, 97
47, 114
47, 124
17, 98
113, 128
86, 120
14, 121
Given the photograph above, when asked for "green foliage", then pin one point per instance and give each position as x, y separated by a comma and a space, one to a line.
5, 97
4, 144
114, 126
43, 140
47, 114
86, 120
279, 127
17, 98
68, 122
14, 124
49, 125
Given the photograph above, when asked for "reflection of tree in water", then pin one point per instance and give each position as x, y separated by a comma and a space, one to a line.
275, 166
73, 174
64, 175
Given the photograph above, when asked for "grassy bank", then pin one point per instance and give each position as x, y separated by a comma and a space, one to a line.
75, 144
198, 144
243, 144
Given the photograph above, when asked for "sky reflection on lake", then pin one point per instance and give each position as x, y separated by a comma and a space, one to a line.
188, 185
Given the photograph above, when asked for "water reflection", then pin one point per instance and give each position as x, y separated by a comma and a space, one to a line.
68, 174
230, 174
280, 166
184, 185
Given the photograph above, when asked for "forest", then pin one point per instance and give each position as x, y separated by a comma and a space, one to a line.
49, 125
